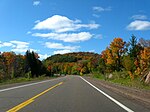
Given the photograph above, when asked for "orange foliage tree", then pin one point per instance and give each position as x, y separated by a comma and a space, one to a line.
144, 61
9, 61
117, 49
113, 54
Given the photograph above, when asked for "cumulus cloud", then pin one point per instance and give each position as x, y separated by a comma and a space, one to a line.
62, 51
59, 24
139, 17
17, 46
139, 25
64, 29
36, 3
43, 56
6, 44
60, 46
101, 9
66, 37
20, 46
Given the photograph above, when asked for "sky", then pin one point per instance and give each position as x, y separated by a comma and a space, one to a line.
50, 27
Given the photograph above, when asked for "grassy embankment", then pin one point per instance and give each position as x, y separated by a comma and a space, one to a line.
136, 83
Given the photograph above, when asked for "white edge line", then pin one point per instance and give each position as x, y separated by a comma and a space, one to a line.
115, 101
16, 87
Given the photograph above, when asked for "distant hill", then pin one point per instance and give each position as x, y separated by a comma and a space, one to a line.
72, 63
72, 57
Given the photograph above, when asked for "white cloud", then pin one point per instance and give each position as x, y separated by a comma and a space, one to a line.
101, 9
60, 46
66, 37
96, 15
59, 23
36, 3
139, 25
62, 51
43, 56
20, 43
17, 46
6, 44
139, 17
20, 46
19, 50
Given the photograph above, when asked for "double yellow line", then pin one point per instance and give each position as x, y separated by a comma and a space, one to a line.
27, 102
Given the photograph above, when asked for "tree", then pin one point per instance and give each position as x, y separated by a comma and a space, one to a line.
134, 52
113, 55
107, 57
34, 64
11, 65
19, 66
9, 61
102, 66
117, 49
128, 64
135, 48
75, 70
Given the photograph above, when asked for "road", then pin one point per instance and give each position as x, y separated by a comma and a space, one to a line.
64, 94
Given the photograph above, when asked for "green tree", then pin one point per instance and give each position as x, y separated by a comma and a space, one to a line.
134, 49
102, 66
128, 64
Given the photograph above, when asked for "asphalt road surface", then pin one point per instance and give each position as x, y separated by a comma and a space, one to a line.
65, 94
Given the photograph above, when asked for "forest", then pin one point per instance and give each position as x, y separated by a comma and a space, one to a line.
126, 59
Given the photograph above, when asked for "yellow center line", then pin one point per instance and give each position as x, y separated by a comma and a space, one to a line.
27, 102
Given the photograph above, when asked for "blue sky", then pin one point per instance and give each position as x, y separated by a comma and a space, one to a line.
60, 26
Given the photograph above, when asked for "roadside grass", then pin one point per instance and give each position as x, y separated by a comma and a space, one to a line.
23, 79
98, 76
131, 83
123, 81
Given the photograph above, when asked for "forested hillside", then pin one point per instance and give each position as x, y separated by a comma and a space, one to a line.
77, 63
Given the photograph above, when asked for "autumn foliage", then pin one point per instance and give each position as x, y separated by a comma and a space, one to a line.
78, 63
131, 57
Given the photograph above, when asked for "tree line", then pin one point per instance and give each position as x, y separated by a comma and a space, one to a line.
16, 65
126, 59
130, 59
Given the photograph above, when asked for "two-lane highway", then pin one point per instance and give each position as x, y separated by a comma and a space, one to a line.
65, 94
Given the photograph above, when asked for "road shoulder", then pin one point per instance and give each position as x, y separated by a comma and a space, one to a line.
139, 96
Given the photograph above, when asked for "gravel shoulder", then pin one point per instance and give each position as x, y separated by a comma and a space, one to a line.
138, 95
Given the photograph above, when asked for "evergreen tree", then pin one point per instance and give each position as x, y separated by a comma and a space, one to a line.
34, 63
133, 43
135, 48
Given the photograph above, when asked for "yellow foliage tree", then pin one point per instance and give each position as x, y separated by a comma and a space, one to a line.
145, 59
